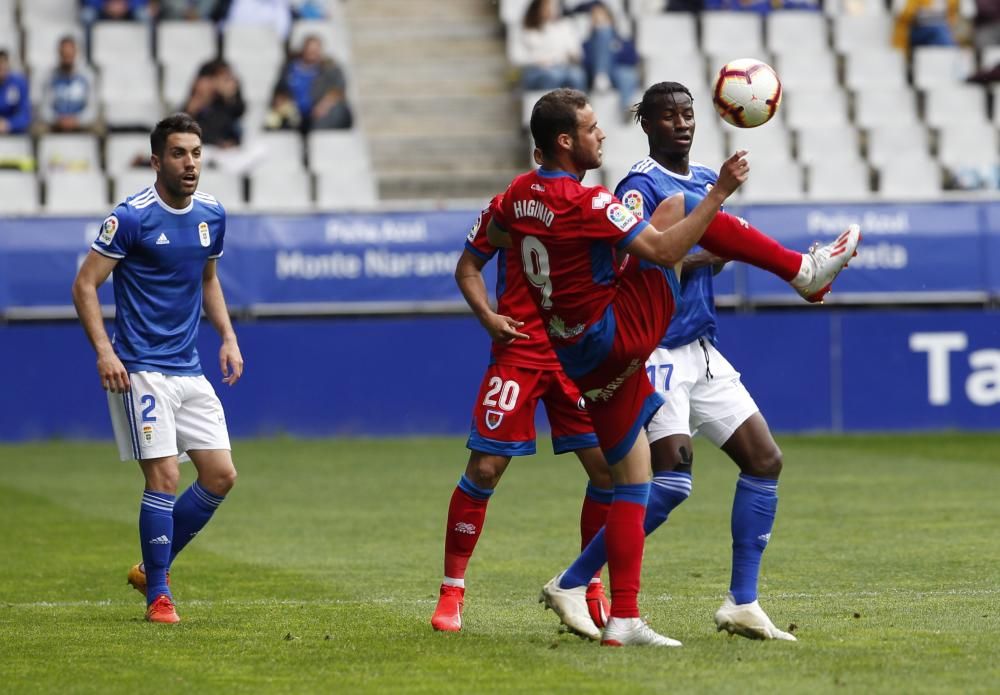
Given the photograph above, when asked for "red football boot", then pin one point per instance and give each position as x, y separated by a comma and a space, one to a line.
448, 614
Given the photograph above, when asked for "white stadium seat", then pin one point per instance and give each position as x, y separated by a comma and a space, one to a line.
861, 33
731, 34
68, 152
882, 68
226, 187
667, 34
950, 106
820, 144
18, 193
76, 193
772, 181
185, 44
809, 108
41, 45
791, 32
887, 142
118, 43
272, 190
807, 69
123, 150
909, 176
877, 106
131, 181
839, 180
337, 150
346, 189
941, 66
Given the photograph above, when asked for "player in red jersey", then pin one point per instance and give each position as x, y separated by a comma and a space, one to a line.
523, 370
604, 317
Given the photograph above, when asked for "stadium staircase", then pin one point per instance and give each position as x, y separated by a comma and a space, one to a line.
436, 100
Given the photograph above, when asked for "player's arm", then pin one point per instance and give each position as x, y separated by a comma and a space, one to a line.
665, 241
469, 278
701, 259
498, 237
214, 303
95, 270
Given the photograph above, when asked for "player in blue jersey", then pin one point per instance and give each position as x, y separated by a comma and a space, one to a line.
163, 244
702, 392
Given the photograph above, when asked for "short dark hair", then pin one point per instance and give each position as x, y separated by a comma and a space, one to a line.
4, 54
174, 123
554, 114
653, 97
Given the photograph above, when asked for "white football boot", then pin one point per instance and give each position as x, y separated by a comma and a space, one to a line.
748, 620
633, 632
823, 263
571, 607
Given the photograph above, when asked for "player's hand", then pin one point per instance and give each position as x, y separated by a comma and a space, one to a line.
504, 329
734, 172
114, 376
231, 361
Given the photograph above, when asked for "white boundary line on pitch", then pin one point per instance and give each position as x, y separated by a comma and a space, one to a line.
662, 598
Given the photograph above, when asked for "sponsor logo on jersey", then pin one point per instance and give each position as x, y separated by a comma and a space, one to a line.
601, 200
203, 234
108, 230
493, 418
621, 217
633, 201
475, 229
559, 329
538, 187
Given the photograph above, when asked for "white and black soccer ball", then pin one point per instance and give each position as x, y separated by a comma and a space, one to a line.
747, 93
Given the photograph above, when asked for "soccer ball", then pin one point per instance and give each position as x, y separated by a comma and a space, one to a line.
747, 93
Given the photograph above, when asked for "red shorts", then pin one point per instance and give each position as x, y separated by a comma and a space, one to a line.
503, 420
617, 391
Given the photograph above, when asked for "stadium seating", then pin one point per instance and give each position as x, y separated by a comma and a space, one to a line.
20, 193
76, 192
839, 180
276, 190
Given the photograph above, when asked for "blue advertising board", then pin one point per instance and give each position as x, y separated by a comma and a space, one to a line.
403, 262
812, 369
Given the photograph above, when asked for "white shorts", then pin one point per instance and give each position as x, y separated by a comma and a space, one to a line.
166, 415
696, 403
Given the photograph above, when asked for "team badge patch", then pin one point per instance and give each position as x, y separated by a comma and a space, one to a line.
147, 433
633, 201
493, 418
621, 217
475, 229
203, 234
108, 230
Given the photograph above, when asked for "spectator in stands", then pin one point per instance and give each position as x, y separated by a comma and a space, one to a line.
987, 23
925, 23
15, 104
318, 86
69, 102
276, 14
187, 9
762, 6
549, 50
610, 60
107, 10
217, 104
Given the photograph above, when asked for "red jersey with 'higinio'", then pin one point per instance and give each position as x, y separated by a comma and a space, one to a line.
514, 300
566, 236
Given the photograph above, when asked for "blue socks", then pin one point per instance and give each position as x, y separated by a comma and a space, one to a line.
191, 512
666, 492
754, 507
156, 532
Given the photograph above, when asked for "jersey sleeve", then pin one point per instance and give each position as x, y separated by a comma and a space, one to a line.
639, 194
118, 233
219, 240
477, 242
606, 217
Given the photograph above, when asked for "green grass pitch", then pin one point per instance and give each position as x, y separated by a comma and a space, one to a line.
320, 573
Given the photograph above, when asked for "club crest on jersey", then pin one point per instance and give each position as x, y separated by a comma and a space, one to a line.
475, 229
147, 433
601, 200
108, 230
493, 418
633, 201
621, 217
203, 234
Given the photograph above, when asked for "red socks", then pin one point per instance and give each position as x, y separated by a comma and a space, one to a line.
625, 540
466, 515
733, 238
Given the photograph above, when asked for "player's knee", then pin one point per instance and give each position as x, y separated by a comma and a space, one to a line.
220, 482
766, 464
484, 470
163, 479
